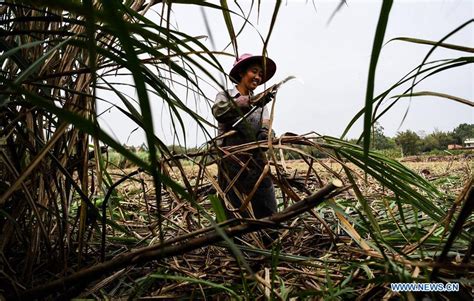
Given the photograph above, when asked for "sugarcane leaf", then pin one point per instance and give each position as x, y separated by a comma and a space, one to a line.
376, 48
437, 94
218, 208
229, 25
197, 281
434, 43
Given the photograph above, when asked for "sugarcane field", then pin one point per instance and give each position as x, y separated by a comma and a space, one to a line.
236, 150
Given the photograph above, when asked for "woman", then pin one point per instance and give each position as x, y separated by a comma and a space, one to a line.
245, 169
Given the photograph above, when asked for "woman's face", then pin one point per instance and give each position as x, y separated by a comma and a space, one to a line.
252, 77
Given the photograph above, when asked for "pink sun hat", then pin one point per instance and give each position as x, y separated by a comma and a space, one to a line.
248, 59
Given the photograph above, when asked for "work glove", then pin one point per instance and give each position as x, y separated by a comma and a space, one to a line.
263, 134
270, 96
262, 100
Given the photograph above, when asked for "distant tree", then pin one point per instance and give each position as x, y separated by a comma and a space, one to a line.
409, 141
438, 140
379, 140
429, 143
463, 131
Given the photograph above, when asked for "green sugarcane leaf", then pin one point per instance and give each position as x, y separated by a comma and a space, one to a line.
377, 46
218, 208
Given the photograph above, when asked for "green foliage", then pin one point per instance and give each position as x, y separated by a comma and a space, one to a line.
392, 153
462, 132
437, 140
218, 208
177, 149
379, 140
409, 141
118, 160
376, 48
202, 282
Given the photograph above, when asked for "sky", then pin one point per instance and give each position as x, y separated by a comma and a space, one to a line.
331, 62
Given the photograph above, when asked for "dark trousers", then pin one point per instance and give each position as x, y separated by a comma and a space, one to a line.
263, 201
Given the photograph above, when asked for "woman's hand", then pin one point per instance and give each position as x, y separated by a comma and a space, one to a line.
261, 99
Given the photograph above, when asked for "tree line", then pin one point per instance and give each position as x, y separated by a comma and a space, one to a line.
411, 143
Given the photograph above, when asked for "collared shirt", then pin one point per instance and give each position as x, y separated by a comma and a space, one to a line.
227, 112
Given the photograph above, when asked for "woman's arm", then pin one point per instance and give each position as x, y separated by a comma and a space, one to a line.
227, 110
